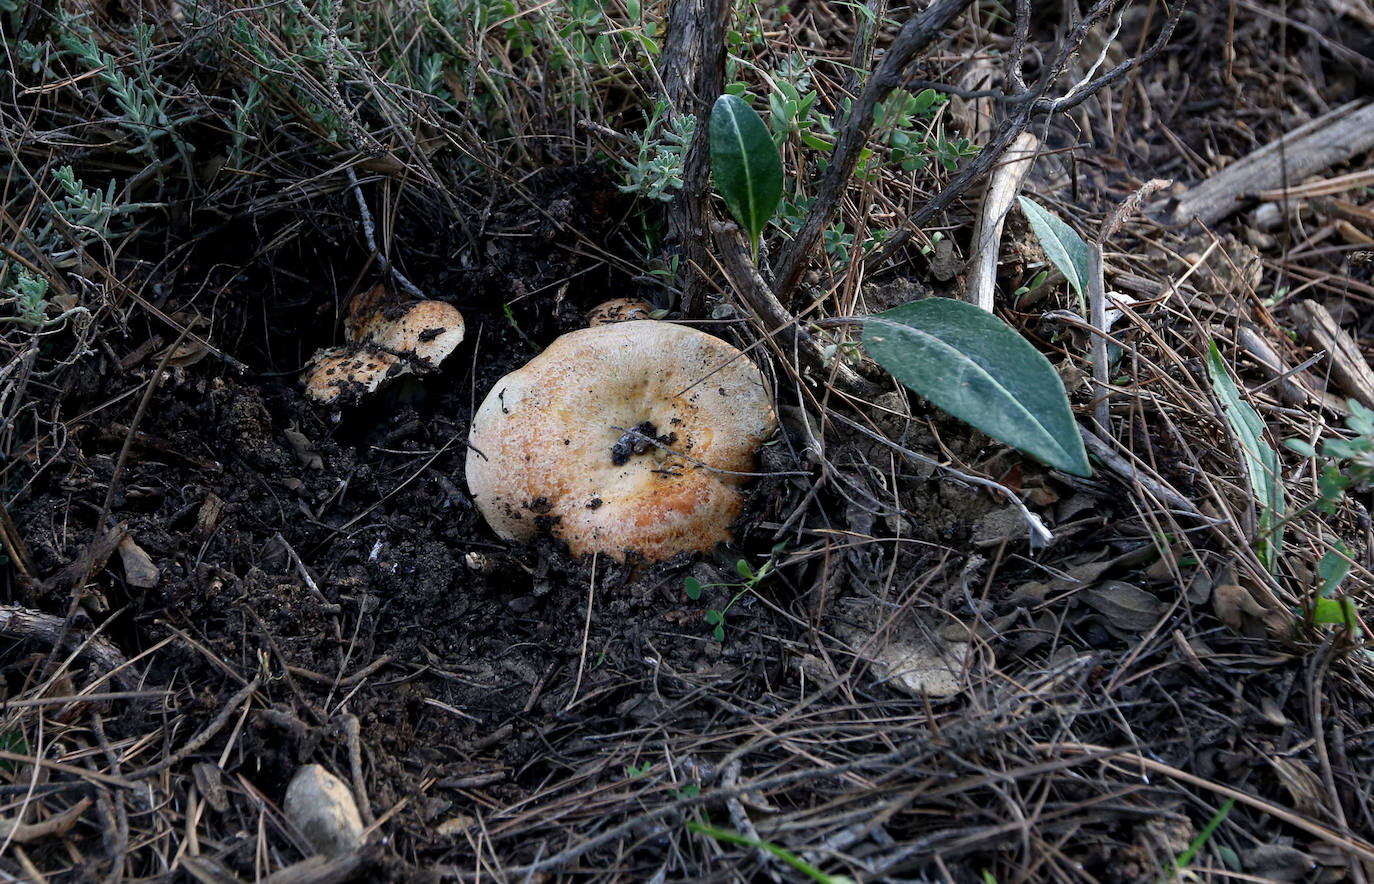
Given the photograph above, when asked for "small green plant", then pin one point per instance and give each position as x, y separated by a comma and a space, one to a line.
1035, 282
749, 579
144, 100
636, 771
28, 295
1349, 463
16, 743
782, 853
1331, 608
1348, 467
1203, 837
1063, 246
746, 165
657, 170
896, 123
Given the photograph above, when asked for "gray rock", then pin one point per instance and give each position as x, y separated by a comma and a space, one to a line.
322, 807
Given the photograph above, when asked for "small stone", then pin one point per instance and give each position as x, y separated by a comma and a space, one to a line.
139, 569
321, 806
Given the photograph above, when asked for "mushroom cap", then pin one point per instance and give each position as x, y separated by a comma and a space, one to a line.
619, 310
553, 445
385, 342
348, 373
428, 330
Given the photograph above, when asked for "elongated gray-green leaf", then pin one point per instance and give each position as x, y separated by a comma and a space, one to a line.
745, 164
1062, 244
976, 367
1261, 461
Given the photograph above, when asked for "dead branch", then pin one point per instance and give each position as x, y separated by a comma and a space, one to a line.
693, 75
19, 623
1029, 104
1332, 138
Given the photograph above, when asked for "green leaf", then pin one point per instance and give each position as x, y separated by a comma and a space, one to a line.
744, 570
714, 617
1334, 567
693, 588
1261, 461
976, 367
1062, 244
1336, 612
1361, 419
745, 163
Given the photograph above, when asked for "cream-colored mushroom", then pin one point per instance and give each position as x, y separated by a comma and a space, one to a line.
627, 437
385, 343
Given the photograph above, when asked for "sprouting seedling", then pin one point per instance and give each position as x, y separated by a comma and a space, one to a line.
749, 579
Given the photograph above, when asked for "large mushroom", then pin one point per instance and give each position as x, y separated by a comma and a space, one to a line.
629, 437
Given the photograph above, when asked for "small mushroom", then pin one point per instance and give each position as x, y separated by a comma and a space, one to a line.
620, 310
385, 342
622, 437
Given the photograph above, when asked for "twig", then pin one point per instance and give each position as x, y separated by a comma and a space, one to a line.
1316, 673
326, 605
1350, 845
1097, 315
586, 634
693, 65
340, 681
777, 323
370, 235
23, 833
1003, 187
1332, 138
205, 735
1029, 105
1321, 332
1156, 488
19, 623
353, 740
1040, 535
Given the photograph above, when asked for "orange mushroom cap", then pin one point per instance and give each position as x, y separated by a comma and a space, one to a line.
616, 436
